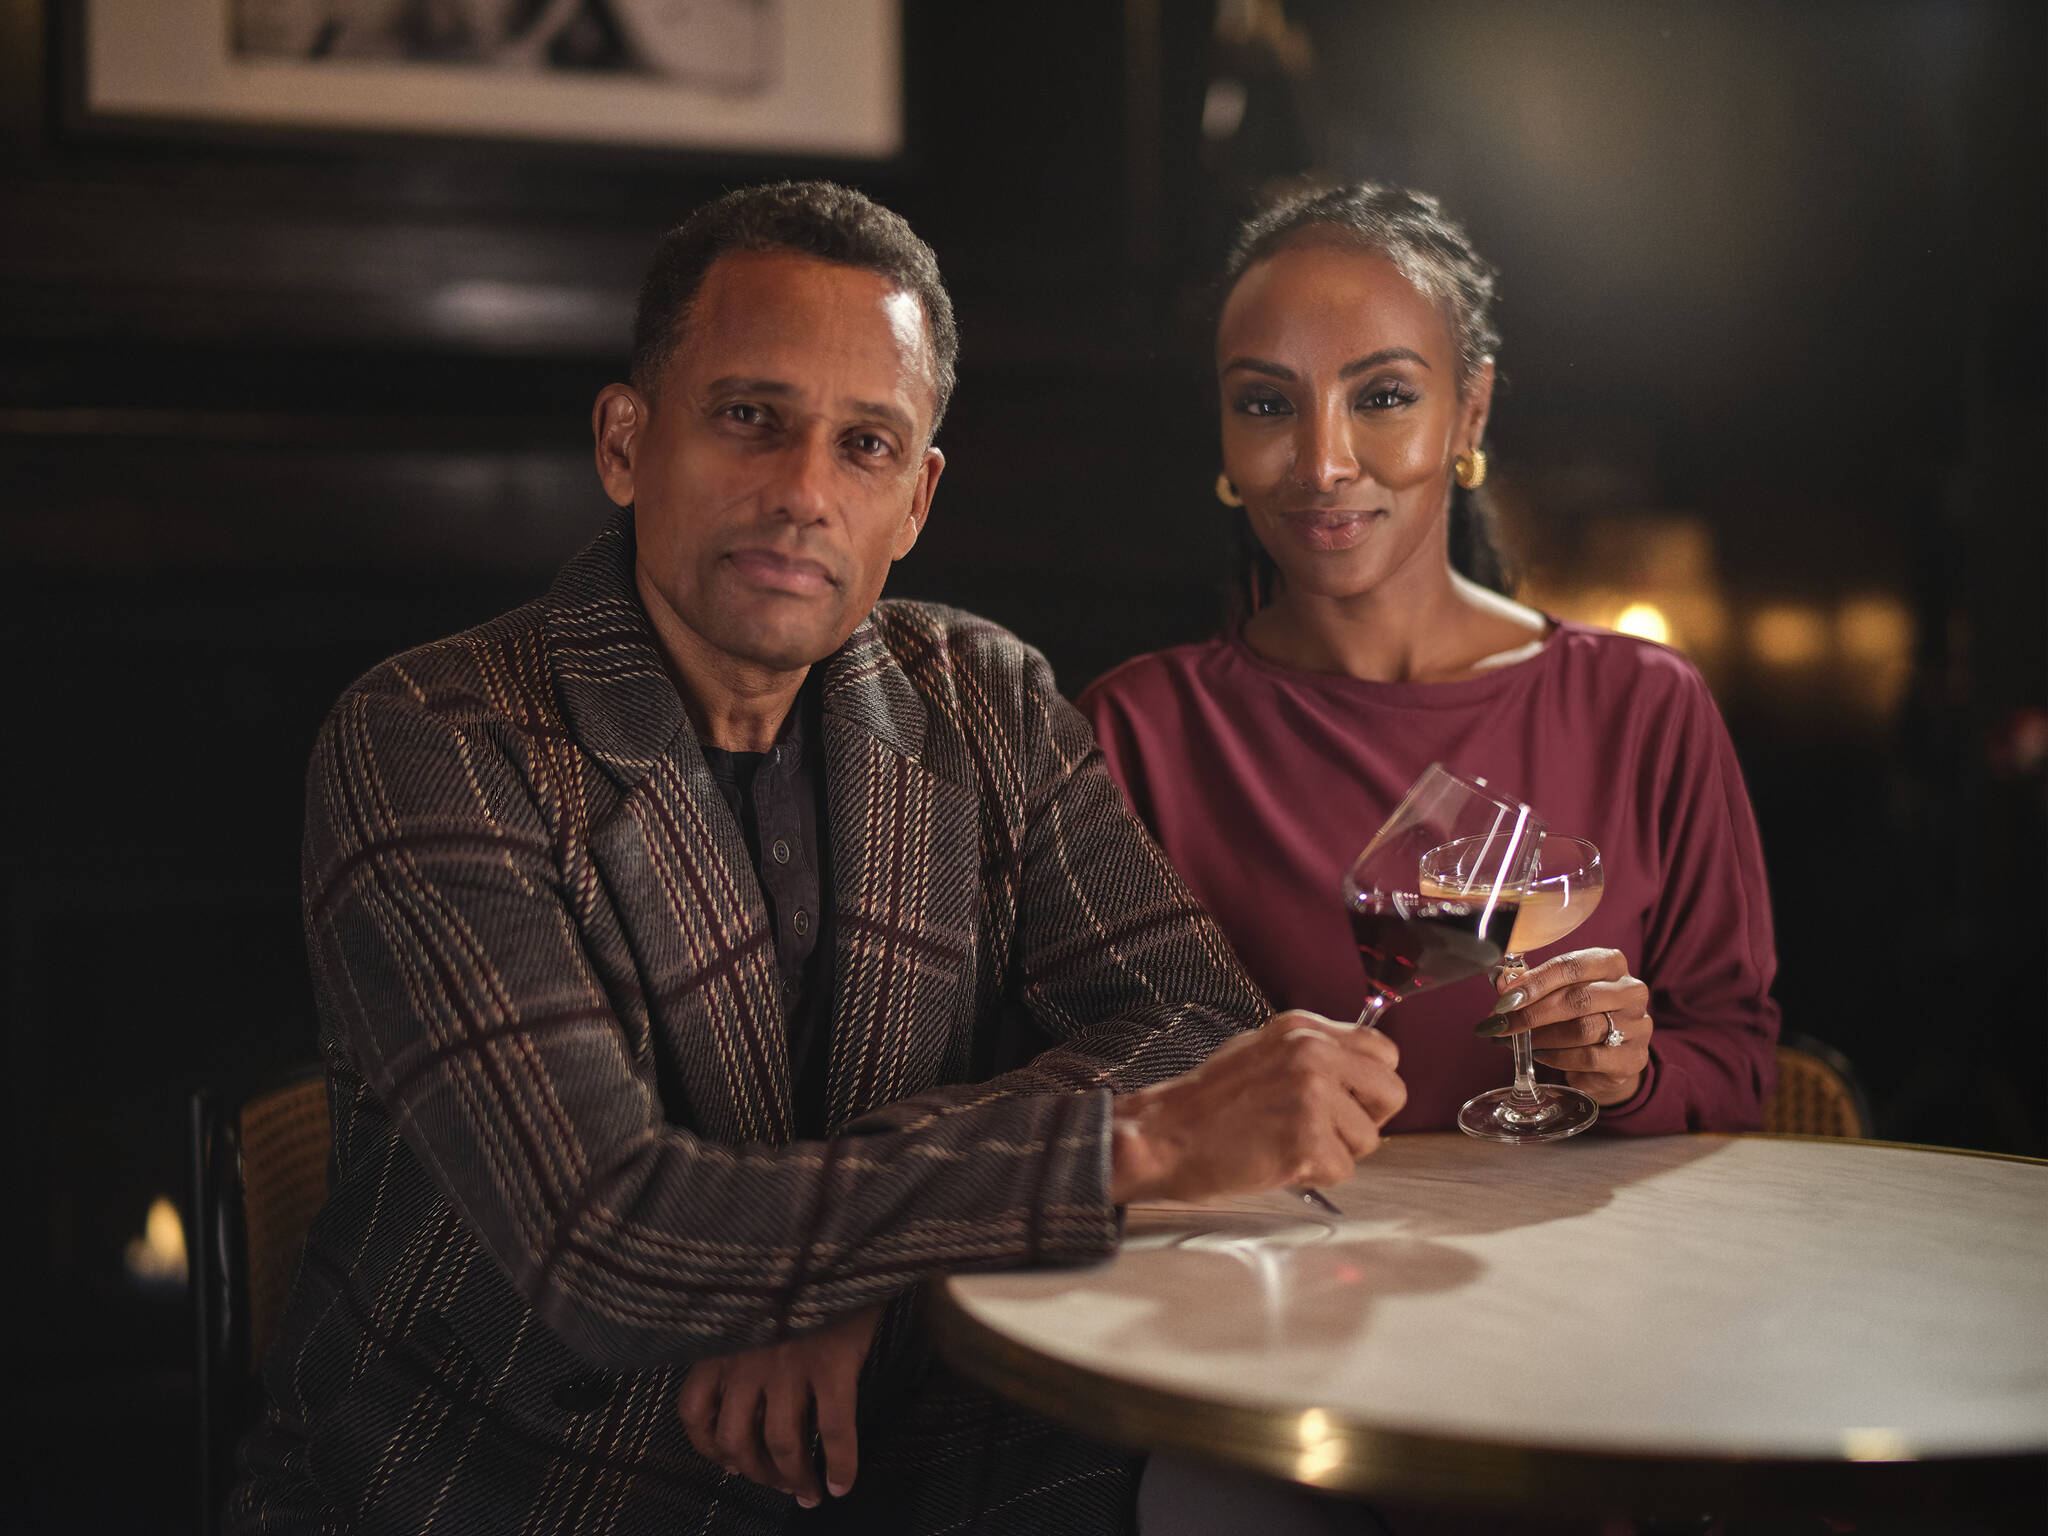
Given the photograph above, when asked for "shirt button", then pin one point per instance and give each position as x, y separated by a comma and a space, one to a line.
781, 851
801, 922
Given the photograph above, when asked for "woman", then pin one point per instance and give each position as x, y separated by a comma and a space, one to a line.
1354, 355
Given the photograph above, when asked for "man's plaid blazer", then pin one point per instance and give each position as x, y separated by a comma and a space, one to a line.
554, 1035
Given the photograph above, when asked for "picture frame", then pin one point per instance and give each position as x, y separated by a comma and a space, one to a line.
769, 78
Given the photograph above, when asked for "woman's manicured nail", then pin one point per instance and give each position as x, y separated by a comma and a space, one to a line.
1510, 1001
1490, 1029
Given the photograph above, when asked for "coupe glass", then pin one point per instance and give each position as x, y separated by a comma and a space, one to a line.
1561, 894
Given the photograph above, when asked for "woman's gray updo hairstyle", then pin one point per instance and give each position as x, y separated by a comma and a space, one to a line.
1410, 229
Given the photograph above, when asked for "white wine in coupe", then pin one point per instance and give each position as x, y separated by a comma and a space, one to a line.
1547, 911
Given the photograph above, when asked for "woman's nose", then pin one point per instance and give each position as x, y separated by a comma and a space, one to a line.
1324, 458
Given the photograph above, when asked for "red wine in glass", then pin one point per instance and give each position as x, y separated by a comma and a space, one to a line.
1409, 943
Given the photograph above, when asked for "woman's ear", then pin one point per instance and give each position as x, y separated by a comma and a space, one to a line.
1474, 406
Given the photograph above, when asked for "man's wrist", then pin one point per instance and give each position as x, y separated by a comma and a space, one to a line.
1137, 1166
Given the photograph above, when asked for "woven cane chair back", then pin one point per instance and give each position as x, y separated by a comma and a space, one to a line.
1817, 1093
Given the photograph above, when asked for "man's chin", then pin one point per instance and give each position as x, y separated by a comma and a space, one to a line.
783, 642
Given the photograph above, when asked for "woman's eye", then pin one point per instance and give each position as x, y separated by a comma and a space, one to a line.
1385, 397
1262, 405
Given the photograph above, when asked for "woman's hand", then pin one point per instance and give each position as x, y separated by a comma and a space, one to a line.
751, 1413
1567, 1005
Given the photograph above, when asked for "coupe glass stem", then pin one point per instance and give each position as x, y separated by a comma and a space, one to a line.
1525, 1097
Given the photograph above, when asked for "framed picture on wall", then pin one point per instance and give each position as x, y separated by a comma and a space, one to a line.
771, 77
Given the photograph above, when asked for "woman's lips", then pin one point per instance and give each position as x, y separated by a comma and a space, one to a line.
1327, 530
782, 573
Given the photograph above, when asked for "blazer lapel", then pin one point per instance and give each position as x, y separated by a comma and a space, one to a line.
672, 858
905, 871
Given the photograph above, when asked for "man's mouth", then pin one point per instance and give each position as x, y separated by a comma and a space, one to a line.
778, 572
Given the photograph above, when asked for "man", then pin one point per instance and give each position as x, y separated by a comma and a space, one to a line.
676, 937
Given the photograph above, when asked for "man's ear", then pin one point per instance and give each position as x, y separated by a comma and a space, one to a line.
617, 422
920, 502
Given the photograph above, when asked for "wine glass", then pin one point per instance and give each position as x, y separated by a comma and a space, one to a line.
1410, 940
1560, 894
1412, 937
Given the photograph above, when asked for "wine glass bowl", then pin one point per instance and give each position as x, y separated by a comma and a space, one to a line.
1560, 893
1412, 937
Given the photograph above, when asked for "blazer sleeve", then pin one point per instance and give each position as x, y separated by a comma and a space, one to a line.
449, 951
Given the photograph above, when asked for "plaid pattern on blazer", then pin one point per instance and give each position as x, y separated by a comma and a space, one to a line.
563, 1165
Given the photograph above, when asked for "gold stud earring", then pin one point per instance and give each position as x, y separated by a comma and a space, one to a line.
1226, 492
1470, 469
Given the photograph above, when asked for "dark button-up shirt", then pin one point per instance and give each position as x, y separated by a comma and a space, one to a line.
778, 798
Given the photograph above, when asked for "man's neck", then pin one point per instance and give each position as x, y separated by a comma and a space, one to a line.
734, 705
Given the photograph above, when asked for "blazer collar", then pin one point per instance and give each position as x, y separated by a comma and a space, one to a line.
618, 699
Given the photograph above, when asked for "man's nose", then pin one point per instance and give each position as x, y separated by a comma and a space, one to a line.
802, 491
1324, 457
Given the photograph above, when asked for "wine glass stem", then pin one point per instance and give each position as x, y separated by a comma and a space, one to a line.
1524, 1096
1375, 1005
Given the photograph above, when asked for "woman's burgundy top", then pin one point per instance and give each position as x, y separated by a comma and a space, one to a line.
1263, 783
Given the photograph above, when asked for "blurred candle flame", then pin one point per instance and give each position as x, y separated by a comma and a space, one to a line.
157, 1257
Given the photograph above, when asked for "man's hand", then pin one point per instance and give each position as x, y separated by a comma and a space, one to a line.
1297, 1102
752, 1412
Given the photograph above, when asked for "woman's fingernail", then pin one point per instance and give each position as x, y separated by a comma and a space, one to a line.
1490, 1029
1510, 1001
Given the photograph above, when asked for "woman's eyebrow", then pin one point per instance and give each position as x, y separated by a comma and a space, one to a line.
1384, 355
1356, 366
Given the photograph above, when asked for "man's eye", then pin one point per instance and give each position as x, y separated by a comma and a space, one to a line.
746, 415
870, 445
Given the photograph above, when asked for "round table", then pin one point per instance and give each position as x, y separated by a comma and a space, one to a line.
1615, 1324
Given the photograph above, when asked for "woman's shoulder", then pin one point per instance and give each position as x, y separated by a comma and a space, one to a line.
1626, 660
1156, 676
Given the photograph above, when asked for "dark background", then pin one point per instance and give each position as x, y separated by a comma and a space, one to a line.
273, 407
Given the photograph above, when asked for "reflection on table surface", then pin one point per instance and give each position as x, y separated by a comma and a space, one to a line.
1699, 1299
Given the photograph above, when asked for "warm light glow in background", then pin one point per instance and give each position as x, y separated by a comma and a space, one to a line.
1655, 574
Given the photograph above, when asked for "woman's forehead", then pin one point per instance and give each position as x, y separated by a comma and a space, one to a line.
1328, 292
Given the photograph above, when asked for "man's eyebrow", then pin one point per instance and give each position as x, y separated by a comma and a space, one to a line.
887, 414
740, 384
1355, 366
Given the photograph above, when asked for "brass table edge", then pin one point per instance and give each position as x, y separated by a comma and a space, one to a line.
1346, 1455
1894, 1146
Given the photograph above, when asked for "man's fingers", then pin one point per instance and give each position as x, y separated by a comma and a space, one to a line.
1357, 1128
836, 1400
1374, 1043
697, 1405
785, 1436
737, 1440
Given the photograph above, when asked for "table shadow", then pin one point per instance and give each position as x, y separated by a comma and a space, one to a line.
1484, 1187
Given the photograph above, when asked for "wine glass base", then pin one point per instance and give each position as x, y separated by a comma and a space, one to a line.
1557, 1113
